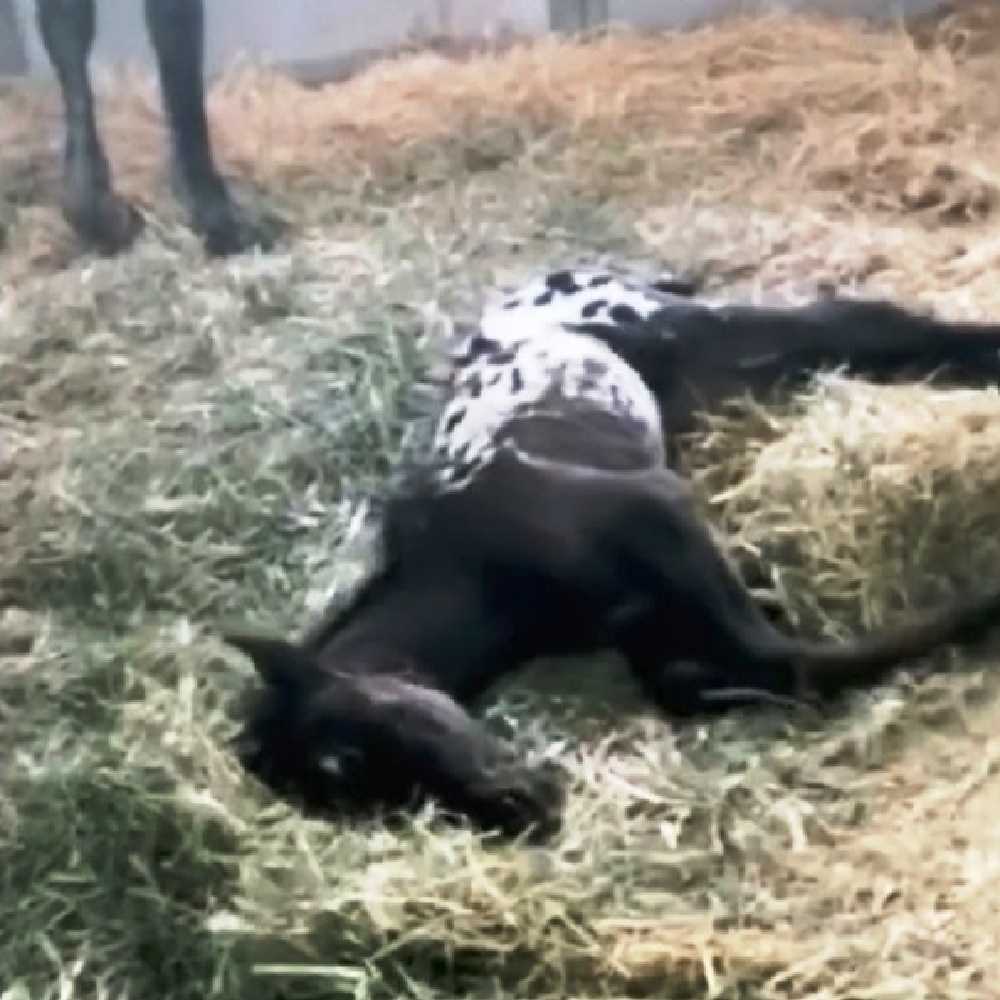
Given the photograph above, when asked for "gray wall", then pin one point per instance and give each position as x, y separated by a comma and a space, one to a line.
13, 58
680, 13
328, 31
301, 30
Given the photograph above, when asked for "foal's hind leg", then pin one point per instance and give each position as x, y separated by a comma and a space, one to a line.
690, 631
724, 352
98, 215
176, 29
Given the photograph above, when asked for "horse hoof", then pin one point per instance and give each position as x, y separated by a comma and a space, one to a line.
105, 221
227, 229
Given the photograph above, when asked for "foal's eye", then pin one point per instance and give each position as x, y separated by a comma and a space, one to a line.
332, 765
336, 765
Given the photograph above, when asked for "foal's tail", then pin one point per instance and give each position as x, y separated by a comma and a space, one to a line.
829, 669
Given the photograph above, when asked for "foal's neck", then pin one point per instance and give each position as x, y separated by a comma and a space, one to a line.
437, 627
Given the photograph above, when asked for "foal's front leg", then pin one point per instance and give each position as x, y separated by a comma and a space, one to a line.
99, 216
176, 30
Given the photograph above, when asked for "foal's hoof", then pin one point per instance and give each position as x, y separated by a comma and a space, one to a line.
104, 221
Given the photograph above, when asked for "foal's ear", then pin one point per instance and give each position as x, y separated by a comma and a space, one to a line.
279, 663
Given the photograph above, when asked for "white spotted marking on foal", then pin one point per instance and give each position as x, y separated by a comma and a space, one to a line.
526, 355
571, 298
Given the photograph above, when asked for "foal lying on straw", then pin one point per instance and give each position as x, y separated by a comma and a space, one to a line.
545, 521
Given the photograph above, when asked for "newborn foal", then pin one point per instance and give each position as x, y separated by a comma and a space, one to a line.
545, 522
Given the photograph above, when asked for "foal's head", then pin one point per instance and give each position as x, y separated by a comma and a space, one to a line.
352, 743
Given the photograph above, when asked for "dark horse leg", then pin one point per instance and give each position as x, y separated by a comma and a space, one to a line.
177, 31
696, 641
96, 212
93, 209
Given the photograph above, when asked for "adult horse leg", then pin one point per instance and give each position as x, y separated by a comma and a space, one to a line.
177, 32
91, 206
